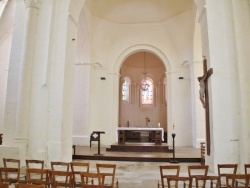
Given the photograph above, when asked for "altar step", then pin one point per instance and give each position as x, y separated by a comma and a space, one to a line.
139, 147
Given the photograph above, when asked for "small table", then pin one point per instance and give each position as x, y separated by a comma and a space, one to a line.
96, 135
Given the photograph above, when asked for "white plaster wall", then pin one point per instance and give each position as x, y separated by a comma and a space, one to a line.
13, 75
196, 70
182, 107
82, 85
7, 15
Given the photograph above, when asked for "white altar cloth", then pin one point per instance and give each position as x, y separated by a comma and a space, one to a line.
142, 129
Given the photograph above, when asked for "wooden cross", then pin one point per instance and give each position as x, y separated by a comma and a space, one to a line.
205, 99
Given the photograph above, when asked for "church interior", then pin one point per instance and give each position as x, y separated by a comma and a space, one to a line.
134, 78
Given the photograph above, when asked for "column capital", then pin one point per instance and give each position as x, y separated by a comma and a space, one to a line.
32, 3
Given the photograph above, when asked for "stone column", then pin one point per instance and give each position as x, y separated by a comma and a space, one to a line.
241, 16
32, 8
170, 114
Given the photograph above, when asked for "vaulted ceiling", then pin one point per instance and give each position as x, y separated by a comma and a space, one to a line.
138, 11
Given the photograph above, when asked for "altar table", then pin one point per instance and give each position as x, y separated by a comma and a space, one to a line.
158, 133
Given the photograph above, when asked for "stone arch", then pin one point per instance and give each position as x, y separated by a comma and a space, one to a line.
120, 60
141, 47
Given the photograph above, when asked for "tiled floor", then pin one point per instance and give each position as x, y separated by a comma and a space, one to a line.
139, 174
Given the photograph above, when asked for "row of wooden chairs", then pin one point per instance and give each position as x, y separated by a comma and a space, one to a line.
36, 174
198, 176
21, 185
61, 179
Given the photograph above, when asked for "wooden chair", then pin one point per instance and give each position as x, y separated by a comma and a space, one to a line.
77, 168
38, 176
203, 148
108, 172
97, 180
4, 185
61, 179
11, 163
9, 175
233, 179
24, 185
247, 171
168, 171
209, 181
223, 170
14, 163
197, 173
247, 168
178, 181
60, 166
35, 164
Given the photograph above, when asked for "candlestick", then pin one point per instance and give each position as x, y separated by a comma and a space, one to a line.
159, 124
174, 160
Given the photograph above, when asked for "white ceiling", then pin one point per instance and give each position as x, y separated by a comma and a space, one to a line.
138, 11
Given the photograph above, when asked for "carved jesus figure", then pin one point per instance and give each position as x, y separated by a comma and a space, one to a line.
202, 89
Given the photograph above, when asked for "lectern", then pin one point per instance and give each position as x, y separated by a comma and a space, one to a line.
95, 136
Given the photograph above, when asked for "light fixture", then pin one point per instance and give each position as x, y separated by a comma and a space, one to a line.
144, 84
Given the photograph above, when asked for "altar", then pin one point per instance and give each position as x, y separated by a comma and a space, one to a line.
157, 134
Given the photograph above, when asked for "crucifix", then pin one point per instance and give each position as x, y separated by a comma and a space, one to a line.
205, 99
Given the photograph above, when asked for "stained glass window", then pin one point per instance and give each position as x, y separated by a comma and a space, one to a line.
147, 96
125, 89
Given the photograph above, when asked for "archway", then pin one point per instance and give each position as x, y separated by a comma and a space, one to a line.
143, 107
157, 53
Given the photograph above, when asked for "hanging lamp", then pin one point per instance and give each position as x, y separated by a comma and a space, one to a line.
144, 84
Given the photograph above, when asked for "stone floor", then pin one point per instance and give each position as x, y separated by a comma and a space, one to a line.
139, 174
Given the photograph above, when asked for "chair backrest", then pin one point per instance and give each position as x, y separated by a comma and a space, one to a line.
247, 168
196, 171
97, 180
60, 166
4, 185
223, 170
38, 176
208, 181
6, 172
11, 163
77, 168
108, 172
24, 185
168, 171
35, 164
237, 180
61, 179
179, 182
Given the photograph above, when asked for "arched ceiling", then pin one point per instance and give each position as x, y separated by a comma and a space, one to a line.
138, 11
142, 59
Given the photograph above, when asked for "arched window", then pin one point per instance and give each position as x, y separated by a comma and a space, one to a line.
125, 89
147, 95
